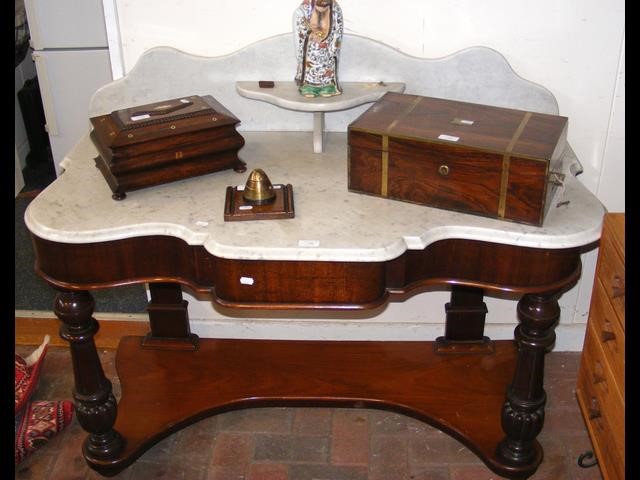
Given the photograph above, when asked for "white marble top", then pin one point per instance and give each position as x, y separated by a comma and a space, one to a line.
286, 95
330, 224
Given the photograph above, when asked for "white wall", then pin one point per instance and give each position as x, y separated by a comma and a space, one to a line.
611, 185
573, 47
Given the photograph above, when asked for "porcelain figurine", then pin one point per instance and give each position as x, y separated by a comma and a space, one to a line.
317, 30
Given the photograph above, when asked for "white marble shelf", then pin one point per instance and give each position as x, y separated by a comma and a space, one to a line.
331, 223
286, 95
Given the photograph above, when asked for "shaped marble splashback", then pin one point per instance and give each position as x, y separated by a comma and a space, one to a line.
476, 74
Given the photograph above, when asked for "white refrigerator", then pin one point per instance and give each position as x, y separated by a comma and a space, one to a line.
71, 55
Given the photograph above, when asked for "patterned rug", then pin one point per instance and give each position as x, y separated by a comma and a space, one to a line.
36, 422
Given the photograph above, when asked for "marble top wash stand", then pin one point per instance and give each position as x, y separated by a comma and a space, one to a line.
342, 252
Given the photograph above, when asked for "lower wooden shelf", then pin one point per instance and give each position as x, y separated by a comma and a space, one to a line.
164, 391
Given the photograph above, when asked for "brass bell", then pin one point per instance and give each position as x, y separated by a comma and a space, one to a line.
258, 190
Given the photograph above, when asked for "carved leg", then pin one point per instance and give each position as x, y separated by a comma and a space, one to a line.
169, 319
464, 328
96, 407
523, 411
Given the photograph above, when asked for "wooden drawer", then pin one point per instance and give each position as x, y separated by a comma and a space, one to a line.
605, 329
612, 275
603, 410
315, 285
610, 457
601, 378
597, 379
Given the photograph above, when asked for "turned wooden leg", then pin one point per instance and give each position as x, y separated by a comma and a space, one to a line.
169, 319
96, 407
523, 410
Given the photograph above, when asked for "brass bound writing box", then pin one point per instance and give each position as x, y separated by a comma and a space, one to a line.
490, 161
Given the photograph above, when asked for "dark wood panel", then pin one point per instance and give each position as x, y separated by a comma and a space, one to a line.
302, 284
541, 135
445, 176
171, 149
117, 131
494, 267
365, 170
164, 172
407, 377
492, 128
259, 282
526, 189
365, 140
90, 266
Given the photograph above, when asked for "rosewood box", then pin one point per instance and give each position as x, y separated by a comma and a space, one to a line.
472, 158
165, 141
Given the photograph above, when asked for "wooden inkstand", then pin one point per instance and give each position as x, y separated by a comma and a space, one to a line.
258, 199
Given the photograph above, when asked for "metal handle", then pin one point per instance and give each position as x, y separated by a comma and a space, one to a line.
556, 178
588, 455
594, 409
443, 170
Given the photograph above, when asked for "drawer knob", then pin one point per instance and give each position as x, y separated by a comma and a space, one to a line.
443, 170
607, 334
594, 409
598, 373
617, 287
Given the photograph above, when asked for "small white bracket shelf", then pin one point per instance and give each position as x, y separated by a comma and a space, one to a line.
286, 95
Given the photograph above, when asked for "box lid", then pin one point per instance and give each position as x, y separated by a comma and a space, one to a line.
146, 123
501, 130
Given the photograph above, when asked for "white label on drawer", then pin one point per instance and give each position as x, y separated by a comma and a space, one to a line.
184, 100
240, 188
450, 138
277, 187
462, 121
140, 117
308, 243
245, 207
246, 281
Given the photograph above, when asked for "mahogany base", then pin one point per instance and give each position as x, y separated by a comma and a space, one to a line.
166, 390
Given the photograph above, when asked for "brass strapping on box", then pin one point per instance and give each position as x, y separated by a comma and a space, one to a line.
409, 109
506, 162
385, 166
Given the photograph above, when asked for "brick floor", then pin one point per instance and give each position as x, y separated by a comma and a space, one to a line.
310, 443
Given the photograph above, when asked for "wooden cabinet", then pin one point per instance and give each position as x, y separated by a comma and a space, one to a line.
600, 388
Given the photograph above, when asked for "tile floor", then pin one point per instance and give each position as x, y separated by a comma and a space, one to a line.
311, 443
